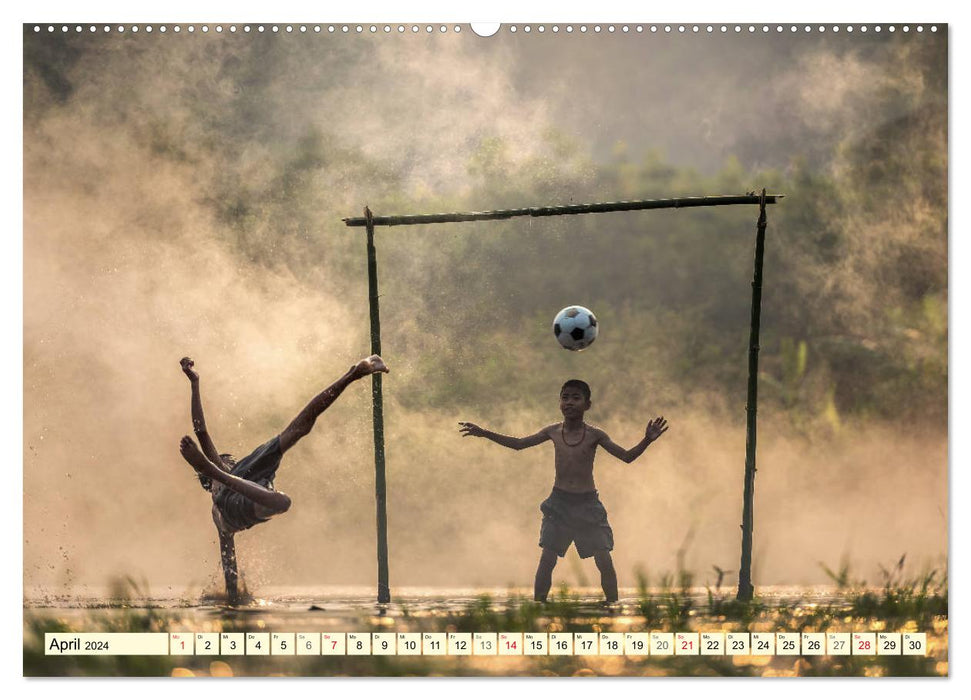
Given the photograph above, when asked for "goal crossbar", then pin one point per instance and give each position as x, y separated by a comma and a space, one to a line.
562, 210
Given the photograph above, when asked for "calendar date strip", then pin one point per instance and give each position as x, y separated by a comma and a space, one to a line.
486, 644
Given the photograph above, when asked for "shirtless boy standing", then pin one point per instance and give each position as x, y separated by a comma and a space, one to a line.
242, 491
573, 512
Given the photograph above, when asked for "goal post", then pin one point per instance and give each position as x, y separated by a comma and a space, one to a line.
369, 222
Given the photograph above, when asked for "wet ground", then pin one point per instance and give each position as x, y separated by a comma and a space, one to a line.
348, 602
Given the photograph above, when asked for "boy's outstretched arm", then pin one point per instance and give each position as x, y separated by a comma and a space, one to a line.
198, 418
515, 443
654, 430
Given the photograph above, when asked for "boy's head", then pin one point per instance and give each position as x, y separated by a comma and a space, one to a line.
574, 398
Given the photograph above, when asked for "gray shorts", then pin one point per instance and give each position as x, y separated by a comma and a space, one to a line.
239, 512
578, 518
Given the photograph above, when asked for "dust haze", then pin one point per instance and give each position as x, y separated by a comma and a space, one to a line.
183, 195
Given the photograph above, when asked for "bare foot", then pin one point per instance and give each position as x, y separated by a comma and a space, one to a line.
193, 455
370, 365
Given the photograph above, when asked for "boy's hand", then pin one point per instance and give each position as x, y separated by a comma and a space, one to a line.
187, 365
470, 430
655, 428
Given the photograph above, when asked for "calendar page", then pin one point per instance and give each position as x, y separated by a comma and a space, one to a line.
547, 348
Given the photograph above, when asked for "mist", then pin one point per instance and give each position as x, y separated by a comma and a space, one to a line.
183, 195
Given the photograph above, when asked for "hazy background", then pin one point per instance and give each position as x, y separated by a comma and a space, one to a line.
184, 194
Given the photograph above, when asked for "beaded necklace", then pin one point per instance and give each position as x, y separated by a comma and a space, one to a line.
573, 444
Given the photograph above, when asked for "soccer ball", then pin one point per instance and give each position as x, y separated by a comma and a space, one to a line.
575, 327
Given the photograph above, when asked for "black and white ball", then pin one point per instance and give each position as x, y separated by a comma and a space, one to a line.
575, 327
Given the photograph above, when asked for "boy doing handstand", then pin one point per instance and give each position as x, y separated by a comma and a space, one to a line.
573, 512
242, 492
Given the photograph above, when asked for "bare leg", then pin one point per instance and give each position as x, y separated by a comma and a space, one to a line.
274, 501
544, 575
227, 552
608, 577
302, 424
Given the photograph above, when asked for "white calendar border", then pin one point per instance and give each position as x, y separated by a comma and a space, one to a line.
828, 11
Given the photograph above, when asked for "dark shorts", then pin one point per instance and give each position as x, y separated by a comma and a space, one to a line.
239, 512
575, 517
